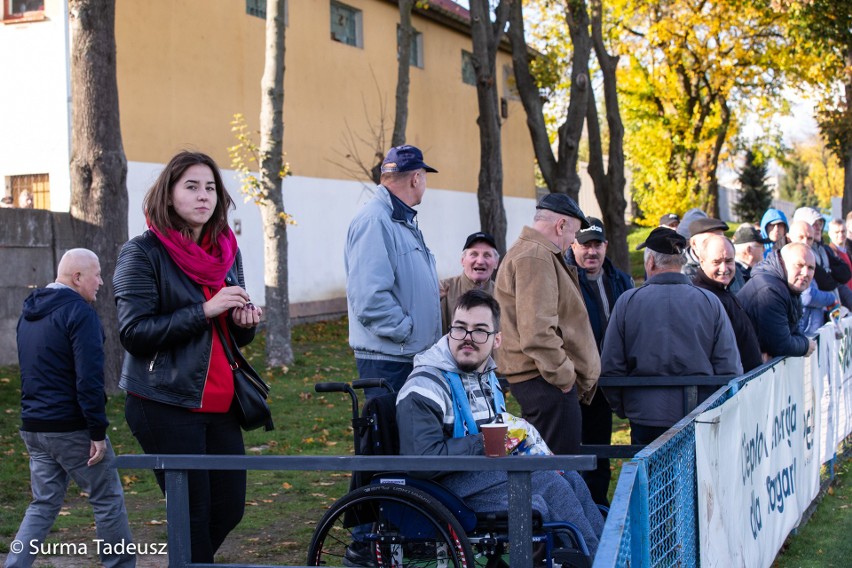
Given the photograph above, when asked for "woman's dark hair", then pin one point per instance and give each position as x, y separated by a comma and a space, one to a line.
475, 298
162, 216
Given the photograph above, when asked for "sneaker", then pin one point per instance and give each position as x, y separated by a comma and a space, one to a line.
358, 554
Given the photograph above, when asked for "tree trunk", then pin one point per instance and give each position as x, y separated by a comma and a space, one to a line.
712, 204
531, 97
609, 188
559, 173
406, 33
486, 39
568, 180
847, 158
98, 165
278, 348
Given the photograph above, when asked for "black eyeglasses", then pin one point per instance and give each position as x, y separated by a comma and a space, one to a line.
476, 335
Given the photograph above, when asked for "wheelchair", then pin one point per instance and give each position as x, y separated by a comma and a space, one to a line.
402, 521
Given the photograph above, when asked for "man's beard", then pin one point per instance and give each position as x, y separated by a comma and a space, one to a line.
468, 366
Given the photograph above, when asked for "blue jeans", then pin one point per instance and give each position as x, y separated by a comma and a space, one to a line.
216, 498
55, 459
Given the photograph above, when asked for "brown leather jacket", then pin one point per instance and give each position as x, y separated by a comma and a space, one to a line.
545, 325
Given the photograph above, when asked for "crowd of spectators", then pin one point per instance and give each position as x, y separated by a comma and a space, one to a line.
709, 306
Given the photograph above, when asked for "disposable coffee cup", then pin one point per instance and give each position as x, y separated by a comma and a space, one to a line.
495, 439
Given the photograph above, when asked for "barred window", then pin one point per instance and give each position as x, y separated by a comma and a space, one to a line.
346, 24
468, 72
22, 10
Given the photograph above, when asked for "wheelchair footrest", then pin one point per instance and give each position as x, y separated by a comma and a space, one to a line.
570, 557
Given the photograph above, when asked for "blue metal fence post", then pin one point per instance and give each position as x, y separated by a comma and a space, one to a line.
177, 515
640, 533
520, 518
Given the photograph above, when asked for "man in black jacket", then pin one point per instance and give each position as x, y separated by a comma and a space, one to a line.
60, 351
602, 283
715, 273
771, 298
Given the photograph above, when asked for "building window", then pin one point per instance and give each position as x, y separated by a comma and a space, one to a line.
416, 59
346, 24
28, 191
22, 11
510, 86
468, 72
258, 8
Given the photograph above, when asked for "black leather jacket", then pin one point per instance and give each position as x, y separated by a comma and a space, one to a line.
162, 325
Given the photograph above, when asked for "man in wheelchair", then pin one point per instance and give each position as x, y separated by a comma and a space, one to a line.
451, 392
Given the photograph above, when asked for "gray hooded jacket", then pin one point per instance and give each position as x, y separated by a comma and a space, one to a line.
424, 409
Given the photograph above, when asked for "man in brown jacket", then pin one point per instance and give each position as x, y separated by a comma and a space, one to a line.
479, 261
549, 354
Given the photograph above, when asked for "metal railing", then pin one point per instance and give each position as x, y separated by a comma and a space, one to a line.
652, 520
519, 469
690, 386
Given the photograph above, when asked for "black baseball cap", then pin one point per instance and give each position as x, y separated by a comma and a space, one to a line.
564, 205
594, 232
405, 159
747, 233
664, 240
705, 225
479, 237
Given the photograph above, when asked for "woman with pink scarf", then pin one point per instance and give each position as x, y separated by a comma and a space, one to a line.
174, 285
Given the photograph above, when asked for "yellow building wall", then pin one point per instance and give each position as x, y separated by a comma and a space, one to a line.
186, 66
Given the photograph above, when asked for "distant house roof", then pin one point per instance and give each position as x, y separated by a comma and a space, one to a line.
451, 9
453, 15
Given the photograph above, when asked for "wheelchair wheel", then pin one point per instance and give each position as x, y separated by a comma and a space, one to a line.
389, 525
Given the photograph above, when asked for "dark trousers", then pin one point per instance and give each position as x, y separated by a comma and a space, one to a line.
597, 430
394, 372
641, 435
556, 415
216, 498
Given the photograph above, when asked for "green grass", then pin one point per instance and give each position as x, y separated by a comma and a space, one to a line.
824, 541
283, 507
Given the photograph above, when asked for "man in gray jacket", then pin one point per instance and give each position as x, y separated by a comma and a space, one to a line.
391, 279
665, 328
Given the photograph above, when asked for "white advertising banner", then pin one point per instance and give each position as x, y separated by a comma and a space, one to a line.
757, 460
842, 385
830, 370
835, 386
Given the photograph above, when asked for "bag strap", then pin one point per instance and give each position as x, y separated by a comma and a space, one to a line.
225, 345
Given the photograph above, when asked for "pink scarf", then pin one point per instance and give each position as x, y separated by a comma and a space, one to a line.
206, 264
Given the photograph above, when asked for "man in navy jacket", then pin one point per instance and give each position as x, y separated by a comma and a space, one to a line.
602, 283
61, 355
772, 299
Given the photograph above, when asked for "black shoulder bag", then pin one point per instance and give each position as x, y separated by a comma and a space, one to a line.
250, 391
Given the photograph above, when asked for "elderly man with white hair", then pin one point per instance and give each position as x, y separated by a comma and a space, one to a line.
715, 275
831, 271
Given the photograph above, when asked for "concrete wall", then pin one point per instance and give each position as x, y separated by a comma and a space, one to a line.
31, 243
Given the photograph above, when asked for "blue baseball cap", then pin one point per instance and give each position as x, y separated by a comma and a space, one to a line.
405, 159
